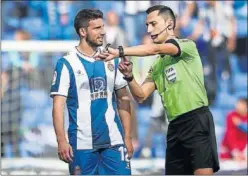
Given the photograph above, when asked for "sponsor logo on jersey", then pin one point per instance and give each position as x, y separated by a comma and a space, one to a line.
99, 86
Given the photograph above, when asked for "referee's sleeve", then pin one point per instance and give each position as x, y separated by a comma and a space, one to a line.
174, 42
61, 80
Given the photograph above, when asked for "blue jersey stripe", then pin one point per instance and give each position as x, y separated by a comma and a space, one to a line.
116, 65
72, 105
98, 83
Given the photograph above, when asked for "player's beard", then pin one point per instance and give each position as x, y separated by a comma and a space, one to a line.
92, 43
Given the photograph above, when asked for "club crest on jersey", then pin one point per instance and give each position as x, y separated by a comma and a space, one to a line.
111, 67
171, 74
77, 170
54, 78
99, 87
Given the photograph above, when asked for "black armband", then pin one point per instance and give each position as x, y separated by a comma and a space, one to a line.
174, 42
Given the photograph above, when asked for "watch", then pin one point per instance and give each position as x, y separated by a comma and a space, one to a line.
128, 79
121, 51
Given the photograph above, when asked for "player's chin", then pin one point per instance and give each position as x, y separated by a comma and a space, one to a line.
99, 43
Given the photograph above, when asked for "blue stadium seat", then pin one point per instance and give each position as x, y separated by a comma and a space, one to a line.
219, 117
37, 99
225, 100
35, 26
240, 82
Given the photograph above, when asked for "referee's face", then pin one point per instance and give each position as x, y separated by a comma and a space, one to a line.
95, 32
156, 27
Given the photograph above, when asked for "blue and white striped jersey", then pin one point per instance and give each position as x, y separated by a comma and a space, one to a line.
90, 87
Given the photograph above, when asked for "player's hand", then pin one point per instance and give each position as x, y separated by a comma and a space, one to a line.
129, 145
108, 55
65, 151
126, 68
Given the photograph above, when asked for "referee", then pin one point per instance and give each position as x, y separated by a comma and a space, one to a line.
178, 76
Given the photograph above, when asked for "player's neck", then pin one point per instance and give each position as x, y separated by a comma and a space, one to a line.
85, 49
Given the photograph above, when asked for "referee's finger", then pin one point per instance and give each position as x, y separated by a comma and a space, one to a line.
125, 59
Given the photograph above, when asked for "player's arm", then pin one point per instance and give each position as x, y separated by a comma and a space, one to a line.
59, 91
124, 109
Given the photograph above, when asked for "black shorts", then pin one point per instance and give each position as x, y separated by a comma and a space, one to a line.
191, 143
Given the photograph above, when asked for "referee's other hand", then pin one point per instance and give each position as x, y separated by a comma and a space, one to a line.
126, 67
65, 152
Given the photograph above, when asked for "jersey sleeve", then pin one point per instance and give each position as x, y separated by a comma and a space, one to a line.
119, 81
61, 80
188, 49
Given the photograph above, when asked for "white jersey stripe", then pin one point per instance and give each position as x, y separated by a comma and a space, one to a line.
84, 132
114, 133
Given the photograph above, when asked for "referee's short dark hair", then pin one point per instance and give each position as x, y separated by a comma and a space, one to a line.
164, 11
84, 16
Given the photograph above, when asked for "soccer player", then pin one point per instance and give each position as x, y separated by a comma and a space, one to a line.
178, 77
95, 94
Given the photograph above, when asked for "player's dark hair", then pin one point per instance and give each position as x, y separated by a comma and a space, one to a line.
84, 16
163, 11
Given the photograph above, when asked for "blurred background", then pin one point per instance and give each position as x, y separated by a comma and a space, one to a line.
35, 34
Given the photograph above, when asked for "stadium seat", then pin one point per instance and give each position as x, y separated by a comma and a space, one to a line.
240, 82
36, 27
219, 117
225, 100
37, 99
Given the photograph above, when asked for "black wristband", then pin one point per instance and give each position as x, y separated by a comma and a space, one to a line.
121, 51
128, 79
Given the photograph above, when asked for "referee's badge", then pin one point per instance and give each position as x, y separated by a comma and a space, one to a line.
111, 66
54, 77
171, 74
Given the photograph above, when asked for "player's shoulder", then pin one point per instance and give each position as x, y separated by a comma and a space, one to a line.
66, 58
70, 55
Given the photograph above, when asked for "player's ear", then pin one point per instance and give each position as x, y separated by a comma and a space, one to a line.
82, 32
